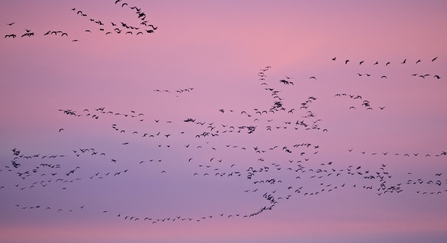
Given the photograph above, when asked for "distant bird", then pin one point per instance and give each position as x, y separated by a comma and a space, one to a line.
361, 62
29, 34
346, 62
376, 63
404, 61
334, 58
11, 23
434, 59
418, 61
60, 130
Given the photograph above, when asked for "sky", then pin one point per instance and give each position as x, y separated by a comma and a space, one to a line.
223, 121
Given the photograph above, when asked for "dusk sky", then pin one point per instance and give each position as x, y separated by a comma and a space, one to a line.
223, 121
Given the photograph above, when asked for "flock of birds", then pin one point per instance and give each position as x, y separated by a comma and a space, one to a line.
277, 173
105, 27
387, 63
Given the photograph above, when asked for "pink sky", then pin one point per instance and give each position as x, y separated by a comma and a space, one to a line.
216, 51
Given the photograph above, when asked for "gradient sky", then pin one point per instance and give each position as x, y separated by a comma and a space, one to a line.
206, 57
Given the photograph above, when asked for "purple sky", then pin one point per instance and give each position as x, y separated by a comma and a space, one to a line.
175, 136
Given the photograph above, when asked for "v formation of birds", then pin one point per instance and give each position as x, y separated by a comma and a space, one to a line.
302, 174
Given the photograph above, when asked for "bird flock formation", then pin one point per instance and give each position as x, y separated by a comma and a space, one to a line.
108, 28
236, 147
275, 173
387, 63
